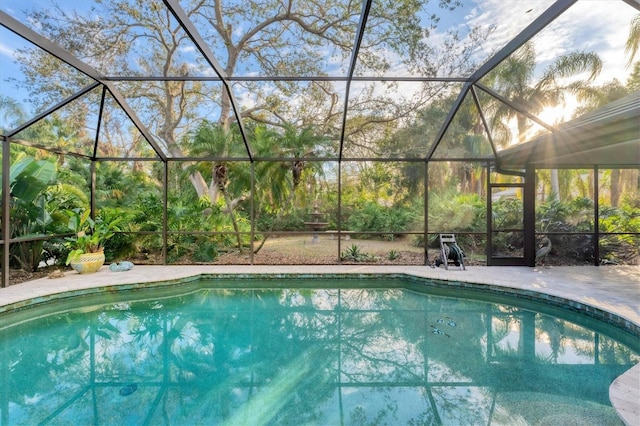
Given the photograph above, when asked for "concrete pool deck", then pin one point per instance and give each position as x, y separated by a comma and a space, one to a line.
606, 289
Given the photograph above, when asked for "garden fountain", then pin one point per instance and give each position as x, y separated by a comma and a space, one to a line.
315, 225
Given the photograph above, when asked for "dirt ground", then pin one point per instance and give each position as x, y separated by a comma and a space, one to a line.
300, 250
303, 250
17, 276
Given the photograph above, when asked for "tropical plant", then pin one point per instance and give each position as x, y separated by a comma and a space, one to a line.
385, 221
301, 144
451, 211
554, 215
392, 255
280, 194
90, 234
228, 180
351, 253
205, 251
624, 222
30, 217
354, 254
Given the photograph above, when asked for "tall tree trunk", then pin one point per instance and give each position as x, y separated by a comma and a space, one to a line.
615, 187
289, 202
555, 185
199, 184
233, 220
481, 184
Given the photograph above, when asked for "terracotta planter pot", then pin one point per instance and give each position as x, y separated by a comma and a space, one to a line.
88, 263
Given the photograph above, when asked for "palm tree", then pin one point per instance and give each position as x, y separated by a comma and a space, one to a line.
272, 178
514, 78
598, 98
11, 113
300, 144
214, 141
281, 181
633, 40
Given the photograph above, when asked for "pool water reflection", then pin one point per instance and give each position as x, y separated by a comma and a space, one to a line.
370, 354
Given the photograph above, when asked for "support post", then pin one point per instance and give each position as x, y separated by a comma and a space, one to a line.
165, 197
426, 213
339, 218
6, 194
92, 189
529, 216
596, 216
252, 212
489, 245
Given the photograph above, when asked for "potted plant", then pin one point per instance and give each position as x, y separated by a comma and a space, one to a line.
86, 247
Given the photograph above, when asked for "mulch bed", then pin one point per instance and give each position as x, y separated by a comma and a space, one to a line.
17, 276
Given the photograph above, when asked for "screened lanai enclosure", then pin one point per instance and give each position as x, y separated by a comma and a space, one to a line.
322, 132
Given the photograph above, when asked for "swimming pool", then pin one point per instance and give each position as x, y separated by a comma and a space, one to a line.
292, 351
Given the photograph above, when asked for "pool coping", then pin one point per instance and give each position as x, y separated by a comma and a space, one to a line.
607, 293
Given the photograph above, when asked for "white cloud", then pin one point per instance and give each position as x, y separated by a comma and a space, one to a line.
7, 51
206, 71
601, 26
507, 17
591, 26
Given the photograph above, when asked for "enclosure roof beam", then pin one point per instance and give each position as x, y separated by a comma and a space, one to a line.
272, 78
53, 108
364, 17
117, 96
515, 106
184, 21
447, 121
45, 44
483, 118
534, 28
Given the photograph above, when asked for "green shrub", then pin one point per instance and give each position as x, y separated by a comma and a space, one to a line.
451, 211
384, 221
293, 221
205, 252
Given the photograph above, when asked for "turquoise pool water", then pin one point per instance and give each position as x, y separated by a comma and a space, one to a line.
318, 352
